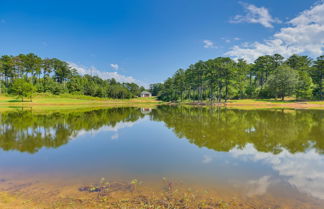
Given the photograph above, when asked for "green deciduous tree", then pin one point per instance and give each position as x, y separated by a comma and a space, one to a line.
22, 88
283, 82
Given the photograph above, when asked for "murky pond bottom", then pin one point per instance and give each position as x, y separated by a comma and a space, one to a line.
166, 157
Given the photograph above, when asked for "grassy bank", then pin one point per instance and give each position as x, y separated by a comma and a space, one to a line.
263, 103
67, 101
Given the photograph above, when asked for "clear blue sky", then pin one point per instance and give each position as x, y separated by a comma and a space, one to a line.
148, 39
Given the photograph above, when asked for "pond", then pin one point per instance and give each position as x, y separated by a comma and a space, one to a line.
236, 158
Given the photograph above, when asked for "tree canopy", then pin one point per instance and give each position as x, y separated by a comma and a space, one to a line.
25, 73
22, 88
223, 78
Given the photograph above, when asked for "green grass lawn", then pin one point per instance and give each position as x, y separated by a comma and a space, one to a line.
66, 101
290, 103
50, 102
256, 101
273, 101
70, 99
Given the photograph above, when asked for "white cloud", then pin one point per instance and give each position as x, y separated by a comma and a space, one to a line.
104, 75
114, 66
257, 15
209, 44
305, 34
305, 171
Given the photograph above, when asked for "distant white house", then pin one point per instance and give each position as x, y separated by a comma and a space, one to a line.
146, 94
146, 110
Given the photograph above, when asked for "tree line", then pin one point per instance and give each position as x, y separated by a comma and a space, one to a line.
25, 74
222, 78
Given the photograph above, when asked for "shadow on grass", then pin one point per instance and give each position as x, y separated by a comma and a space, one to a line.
17, 100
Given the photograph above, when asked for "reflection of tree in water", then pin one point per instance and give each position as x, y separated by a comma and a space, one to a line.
28, 132
218, 129
224, 129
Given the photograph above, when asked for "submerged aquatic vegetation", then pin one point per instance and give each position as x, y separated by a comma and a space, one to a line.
104, 188
133, 184
168, 185
121, 195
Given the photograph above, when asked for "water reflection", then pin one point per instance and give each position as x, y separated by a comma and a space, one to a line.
268, 130
289, 142
27, 132
218, 129
304, 170
258, 186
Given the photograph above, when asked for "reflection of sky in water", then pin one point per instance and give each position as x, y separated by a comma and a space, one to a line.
258, 186
305, 170
115, 129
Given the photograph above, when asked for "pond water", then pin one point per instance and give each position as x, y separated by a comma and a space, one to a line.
272, 156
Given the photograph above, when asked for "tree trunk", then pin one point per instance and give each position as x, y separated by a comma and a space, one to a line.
226, 92
219, 95
211, 94
321, 87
